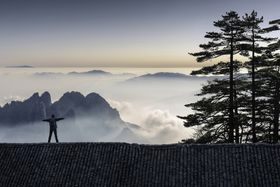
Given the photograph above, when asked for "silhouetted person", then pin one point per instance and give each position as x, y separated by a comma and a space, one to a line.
52, 122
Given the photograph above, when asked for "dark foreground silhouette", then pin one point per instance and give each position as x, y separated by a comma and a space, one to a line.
53, 127
120, 164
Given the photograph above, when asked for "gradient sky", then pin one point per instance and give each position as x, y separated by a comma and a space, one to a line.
150, 33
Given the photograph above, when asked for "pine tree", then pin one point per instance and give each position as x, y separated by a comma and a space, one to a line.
210, 114
253, 38
225, 42
270, 80
232, 109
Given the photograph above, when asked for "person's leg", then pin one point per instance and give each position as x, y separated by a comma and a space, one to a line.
50, 136
55, 134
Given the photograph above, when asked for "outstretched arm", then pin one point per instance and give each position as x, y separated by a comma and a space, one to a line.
58, 119
46, 120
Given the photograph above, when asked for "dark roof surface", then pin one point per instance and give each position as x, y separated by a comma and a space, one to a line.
120, 164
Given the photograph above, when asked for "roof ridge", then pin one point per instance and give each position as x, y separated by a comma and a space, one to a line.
149, 146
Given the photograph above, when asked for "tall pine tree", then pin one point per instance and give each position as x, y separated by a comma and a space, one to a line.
253, 38
271, 78
225, 42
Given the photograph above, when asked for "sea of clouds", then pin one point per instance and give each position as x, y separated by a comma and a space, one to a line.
153, 105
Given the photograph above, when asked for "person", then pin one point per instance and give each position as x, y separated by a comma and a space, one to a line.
53, 126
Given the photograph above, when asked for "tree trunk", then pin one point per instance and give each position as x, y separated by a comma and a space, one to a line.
254, 137
231, 114
236, 120
276, 114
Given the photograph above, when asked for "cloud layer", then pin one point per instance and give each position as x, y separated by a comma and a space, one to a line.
151, 105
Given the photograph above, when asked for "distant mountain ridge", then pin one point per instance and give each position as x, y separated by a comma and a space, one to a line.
92, 72
169, 76
160, 75
130, 76
166, 75
84, 73
23, 66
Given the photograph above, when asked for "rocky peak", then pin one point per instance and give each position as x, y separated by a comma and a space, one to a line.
46, 99
96, 99
34, 97
72, 97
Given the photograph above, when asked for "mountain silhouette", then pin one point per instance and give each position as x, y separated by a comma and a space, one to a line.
92, 72
160, 76
169, 76
164, 75
87, 118
20, 66
71, 105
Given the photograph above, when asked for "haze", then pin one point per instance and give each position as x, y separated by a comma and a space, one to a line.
153, 105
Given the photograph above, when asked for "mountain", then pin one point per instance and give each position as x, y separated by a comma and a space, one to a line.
169, 76
101, 73
165, 75
87, 118
23, 66
160, 75
92, 72
30, 110
72, 106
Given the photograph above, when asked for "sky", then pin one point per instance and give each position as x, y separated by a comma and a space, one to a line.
110, 33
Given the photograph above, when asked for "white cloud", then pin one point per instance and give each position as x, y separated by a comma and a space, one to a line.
158, 126
158, 118
121, 106
165, 127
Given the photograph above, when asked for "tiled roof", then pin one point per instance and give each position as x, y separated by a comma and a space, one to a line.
120, 164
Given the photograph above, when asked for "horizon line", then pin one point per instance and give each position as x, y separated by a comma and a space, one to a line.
30, 66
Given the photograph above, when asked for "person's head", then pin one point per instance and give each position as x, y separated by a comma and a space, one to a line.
53, 116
